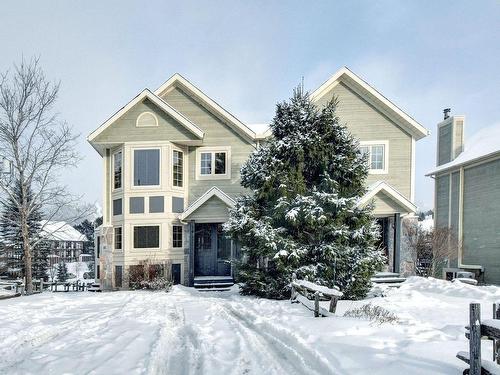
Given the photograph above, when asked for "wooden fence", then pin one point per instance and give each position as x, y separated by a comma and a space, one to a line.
476, 331
303, 290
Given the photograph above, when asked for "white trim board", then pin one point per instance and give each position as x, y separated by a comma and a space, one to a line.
212, 192
212, 105
389, 190
169, 110
348, 77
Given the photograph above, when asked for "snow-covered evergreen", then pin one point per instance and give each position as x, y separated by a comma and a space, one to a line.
62, 272
303, 215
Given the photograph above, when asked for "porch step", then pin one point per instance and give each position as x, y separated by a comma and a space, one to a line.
388, 278
213, 282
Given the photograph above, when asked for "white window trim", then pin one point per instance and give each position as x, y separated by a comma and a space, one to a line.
113, 170
132, 168
147, 248
213, 150
146, 126
172, 236
384, 143
184, 164
114, 239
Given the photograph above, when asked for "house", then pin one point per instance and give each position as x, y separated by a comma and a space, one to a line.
171, 161
65, 243
467, 197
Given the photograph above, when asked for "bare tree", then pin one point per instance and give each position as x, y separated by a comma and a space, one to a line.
38, 146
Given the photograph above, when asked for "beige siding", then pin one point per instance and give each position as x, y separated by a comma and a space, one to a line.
444, 144
385, 205
217, 133
442, 204
125, 129
212, 211
367, 124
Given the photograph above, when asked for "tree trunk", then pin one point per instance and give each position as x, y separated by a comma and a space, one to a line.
27, 254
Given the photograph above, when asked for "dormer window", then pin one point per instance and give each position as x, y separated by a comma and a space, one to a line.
213, 163
378, 156
146, 120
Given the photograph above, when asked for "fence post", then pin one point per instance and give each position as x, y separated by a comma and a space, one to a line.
496, 343
316, 304
333, 304
292, 292
475, 338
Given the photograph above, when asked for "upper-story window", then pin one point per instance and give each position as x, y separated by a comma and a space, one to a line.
117, 170
178, 168
377, 154
147, 167
213, 163
146, 119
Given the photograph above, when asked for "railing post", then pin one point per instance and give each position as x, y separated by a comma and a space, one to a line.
496, 343
475, 338
333, 304
292, 291
316, 304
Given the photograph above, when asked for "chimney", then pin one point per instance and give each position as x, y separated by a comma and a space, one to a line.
450, 141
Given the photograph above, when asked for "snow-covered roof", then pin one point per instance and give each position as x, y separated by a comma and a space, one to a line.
427, 224
261, 130
60, 231
485, 142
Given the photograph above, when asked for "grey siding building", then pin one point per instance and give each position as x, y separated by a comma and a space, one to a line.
467, 197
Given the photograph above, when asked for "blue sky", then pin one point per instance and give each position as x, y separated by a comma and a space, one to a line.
423, 55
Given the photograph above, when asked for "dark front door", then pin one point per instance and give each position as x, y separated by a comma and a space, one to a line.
212, 253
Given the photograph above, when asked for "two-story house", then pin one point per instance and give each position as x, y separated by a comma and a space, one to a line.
467, 197
171, 162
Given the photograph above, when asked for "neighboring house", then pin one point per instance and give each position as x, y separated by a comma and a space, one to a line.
65, 243
467, 197
171, 164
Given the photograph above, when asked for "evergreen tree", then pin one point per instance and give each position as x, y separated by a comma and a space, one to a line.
62, 272
303, 216
87, 228
10, 227
41, 260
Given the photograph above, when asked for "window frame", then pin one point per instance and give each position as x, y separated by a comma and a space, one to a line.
113, 207
174, 239
121, 238
160, 166
212, 151
146, 248
183, 167
120, 151
385, 158
142, 114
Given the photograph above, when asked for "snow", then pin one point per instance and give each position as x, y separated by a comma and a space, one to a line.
260, 129
191, 332
484, 142
60, 231
427, 224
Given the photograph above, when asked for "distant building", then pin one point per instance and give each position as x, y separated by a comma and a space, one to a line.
65, 242
467, 196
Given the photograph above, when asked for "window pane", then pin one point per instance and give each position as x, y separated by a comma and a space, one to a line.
117, 167
177, 236
377, 157
118, 238
177, 204
220, 163
146, 237
206, 163
156, 204
178, 168
136, 205
146, 167
117, 207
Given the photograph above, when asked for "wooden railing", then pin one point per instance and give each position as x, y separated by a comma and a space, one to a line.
476, 331
303, 290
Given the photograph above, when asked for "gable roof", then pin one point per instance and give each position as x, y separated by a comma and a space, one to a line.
178, 80
60, 231
168, 109
212, 192
382, 186
354, 82
482, 145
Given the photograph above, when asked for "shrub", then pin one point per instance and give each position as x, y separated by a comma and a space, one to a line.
373, 313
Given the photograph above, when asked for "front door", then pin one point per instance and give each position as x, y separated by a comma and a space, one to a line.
212, 253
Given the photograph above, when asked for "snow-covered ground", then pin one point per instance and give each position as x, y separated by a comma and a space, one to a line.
191, 332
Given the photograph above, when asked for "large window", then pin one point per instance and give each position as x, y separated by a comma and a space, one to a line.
178, 168
376, 156
156, 204
177, 236
147, 237
118, 238
147, 167
136, 205
117, 207
117, 170
213, 163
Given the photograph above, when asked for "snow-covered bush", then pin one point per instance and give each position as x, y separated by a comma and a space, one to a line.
303, 215
151, 275
375, 314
